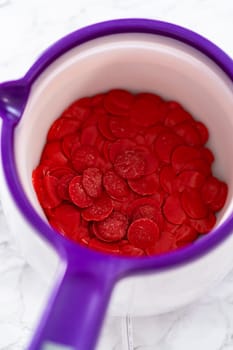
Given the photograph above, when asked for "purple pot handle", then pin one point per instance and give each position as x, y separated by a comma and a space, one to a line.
76, 309
74, 313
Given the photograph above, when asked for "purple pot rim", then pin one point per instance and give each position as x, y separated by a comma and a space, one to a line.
68, 250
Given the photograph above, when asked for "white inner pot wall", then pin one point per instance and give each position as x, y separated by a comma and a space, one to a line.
138, 62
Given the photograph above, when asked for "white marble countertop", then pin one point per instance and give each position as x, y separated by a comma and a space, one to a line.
27, 27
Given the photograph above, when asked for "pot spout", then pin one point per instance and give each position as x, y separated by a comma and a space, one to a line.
13, 98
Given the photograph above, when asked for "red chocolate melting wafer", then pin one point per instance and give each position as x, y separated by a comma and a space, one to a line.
128, 174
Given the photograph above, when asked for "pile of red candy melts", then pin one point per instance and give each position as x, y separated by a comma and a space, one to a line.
128, 174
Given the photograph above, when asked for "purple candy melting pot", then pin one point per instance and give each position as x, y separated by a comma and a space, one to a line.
78, 303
